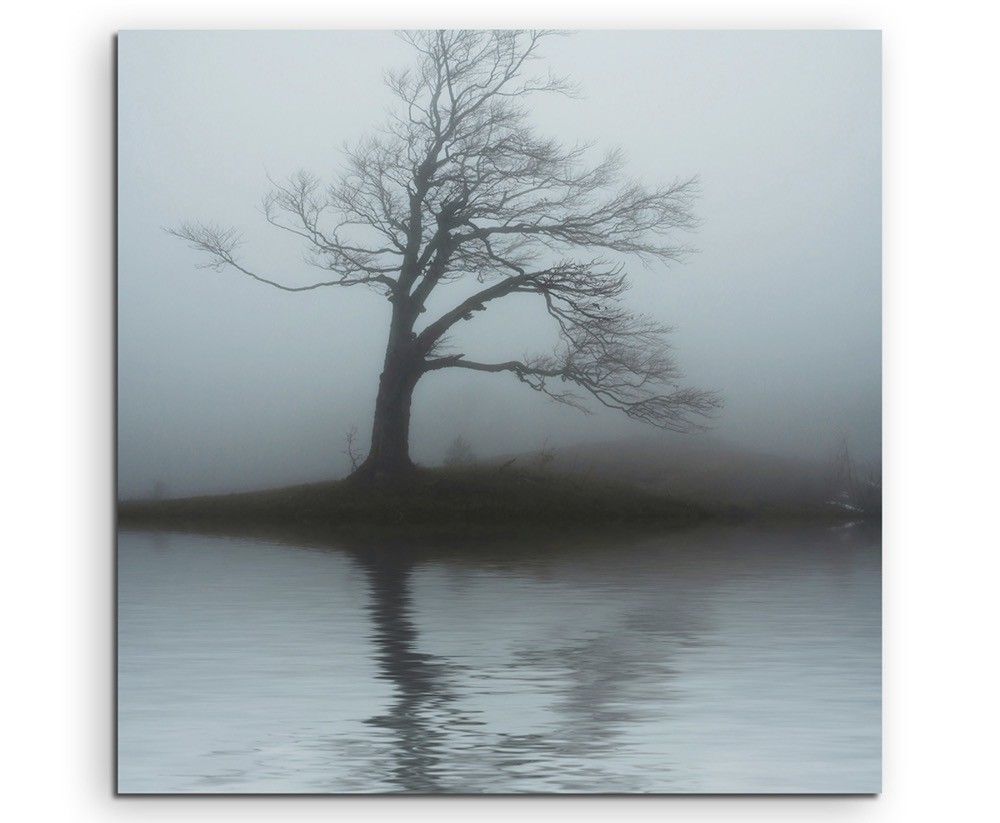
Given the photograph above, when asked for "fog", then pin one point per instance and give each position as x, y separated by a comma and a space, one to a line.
225, 383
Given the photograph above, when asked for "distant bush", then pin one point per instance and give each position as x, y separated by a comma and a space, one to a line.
544, 457
854, 489
459, 453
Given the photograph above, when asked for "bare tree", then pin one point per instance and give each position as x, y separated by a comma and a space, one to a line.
457, 186
351, 448
854, 489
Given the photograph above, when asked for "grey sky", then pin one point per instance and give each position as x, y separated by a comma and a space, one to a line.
225, 383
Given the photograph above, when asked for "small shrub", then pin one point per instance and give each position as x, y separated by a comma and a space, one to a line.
544, 456
459, 453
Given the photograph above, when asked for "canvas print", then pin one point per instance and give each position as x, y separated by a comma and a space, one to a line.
498, 412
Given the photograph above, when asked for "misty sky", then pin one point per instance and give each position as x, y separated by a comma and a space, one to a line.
226, 383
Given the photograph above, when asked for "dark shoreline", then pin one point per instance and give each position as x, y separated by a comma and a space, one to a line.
453, 502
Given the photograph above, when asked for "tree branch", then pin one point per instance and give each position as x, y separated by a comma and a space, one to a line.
220, 243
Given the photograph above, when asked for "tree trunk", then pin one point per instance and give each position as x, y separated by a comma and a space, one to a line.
389, 457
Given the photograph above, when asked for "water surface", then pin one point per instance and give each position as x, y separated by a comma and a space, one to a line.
715, 660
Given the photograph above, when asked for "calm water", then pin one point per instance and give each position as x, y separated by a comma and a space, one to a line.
708, 661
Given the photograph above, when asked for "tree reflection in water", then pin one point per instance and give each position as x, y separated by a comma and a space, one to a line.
565, 666
419, 718
436, 745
